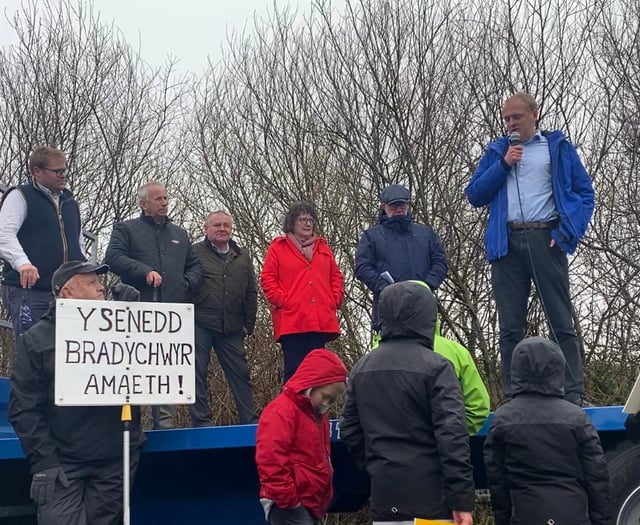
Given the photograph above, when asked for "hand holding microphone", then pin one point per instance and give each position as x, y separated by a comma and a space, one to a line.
514, 153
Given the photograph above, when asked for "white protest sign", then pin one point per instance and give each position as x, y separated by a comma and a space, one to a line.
632, 406
116, 352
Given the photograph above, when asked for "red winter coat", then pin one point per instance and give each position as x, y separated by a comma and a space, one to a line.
292, 441
303, 295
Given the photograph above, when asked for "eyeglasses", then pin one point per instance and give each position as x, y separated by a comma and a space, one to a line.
305, 220
60, 172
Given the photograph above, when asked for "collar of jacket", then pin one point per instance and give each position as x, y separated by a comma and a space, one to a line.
65, 194
150, 220
233, 247
401, 222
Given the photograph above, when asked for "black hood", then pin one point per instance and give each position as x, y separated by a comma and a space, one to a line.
537, 366
407, 310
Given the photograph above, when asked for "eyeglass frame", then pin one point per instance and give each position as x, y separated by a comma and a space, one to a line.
59, 172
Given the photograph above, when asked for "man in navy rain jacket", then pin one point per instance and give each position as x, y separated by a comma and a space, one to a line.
398, 249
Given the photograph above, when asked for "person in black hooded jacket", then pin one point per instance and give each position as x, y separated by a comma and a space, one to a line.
543, 456
404, 417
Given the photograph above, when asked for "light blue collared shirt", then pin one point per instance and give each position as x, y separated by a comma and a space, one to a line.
529, 190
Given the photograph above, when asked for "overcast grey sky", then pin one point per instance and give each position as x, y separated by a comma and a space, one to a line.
186, 29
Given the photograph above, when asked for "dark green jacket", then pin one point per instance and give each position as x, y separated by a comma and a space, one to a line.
227, 299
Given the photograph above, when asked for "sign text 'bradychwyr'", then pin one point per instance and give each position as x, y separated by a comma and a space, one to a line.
114, 352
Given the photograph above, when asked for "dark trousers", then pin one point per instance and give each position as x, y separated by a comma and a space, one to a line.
295, 348
232, 357
37, 302
93, 497
163, 417
531, 259
297, 516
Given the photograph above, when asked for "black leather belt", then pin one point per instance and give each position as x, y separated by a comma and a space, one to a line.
549, 225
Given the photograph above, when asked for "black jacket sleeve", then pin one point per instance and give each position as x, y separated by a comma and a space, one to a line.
365, 265
351, 432
193, 270
28, 403
494, 461
452, 438
118, 257
595, 471
251, 300
439, 266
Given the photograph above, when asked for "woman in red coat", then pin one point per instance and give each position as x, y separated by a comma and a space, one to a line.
304, 287
292, 443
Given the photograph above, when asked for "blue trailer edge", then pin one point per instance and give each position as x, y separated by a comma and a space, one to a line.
208, 475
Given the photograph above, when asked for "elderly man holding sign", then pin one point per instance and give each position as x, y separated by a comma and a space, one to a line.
75, 452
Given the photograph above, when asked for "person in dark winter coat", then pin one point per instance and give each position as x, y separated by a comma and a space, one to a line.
152, 254
155, 256
404, 417
75, 453
292, 442
226, 304
543, 456
398, 249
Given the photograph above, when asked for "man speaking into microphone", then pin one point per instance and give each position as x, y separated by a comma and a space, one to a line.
540, 200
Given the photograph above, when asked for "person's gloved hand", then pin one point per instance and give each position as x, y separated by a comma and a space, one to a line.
124, 292
43, 484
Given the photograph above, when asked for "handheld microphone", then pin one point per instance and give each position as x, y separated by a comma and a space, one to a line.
514, 139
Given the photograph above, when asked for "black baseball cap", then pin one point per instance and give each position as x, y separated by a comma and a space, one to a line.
394, 194
67, 270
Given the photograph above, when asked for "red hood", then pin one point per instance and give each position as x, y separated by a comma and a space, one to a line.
319, 367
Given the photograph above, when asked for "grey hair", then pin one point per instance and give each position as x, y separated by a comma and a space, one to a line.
218, 212
143, 192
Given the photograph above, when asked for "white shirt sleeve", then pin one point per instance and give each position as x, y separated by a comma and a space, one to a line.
12, 215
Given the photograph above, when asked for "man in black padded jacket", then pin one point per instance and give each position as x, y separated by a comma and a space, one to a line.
155, 256
404, 417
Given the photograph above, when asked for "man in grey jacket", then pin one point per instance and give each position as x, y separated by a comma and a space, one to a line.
226, 305
155, 256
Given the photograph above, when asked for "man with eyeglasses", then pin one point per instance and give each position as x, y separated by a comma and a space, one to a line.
398, 249
40, 230
226, 305
540, 199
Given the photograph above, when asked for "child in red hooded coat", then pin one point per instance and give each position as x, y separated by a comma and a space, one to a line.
292, 442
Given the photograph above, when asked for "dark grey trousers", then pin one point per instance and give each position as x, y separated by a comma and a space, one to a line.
232, 357
297, 516
530, 259
93, 497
